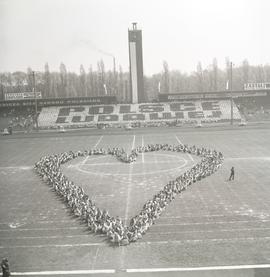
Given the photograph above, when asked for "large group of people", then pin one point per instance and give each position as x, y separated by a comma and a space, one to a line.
99, 221
18, 119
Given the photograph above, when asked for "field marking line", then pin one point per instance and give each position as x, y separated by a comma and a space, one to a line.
43, 229
141, 270
190, 156
206, 268
129, 183
238, 158
117, 163
181, 159
157, 224
142, 151
87, 157
154, 226
209, 231
64, 272
265, 158
208, 223
95, 258
45, 237
203, 240
101, 137
133, 142
122, 257
53, 245
150, 233
138, 244
16, 167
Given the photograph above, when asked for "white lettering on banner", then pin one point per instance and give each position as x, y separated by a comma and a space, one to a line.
22, 95
256, 86
151, 108
180, 111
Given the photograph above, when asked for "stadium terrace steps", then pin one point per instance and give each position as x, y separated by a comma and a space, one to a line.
183, 112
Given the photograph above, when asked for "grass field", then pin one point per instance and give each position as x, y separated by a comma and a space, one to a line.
216, 226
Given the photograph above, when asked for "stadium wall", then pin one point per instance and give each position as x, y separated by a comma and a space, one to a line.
58, 102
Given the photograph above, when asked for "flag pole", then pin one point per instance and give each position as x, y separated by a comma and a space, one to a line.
231, 86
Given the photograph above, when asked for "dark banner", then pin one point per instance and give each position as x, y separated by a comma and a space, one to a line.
59, 101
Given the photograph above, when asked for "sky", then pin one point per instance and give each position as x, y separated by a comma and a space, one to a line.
181, 32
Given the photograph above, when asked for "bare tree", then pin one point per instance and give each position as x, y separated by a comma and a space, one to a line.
199, 74
47, 81
101, 77
83, 87
63, 80
215, 74
245, 71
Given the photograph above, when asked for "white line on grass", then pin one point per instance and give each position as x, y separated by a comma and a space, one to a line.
190, 156
46, 237
133, 142
95, 258
86, 159
142, 152
142, 270
207, 268
117, 163
140, 243
150, 233
103, 173
208, 223
42, 229
64, 272
16, 167
157, 224
249, 158
209, 231
53, 245
129, 182
98, 142
194, 241
122, 258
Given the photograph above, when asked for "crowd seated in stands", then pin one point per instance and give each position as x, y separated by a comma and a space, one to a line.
254, 108
99, 221
17, 119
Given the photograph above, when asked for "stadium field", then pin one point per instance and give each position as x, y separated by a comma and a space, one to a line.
214, 228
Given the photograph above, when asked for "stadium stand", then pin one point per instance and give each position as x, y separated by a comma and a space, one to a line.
19, 119
254, 108
148, 114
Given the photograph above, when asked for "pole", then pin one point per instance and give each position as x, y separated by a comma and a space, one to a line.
231, 87
34, 90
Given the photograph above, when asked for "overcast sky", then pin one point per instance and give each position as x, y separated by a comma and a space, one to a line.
182, 32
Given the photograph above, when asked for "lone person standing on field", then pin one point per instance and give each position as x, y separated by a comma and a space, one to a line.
232, 174
5, 267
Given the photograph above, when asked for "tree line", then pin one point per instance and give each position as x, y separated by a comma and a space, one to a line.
99, 81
